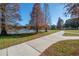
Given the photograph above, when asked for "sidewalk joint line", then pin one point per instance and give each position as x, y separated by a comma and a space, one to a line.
6, 51
34, 48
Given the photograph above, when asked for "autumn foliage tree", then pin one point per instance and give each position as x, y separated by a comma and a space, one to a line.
8, 13
37, 17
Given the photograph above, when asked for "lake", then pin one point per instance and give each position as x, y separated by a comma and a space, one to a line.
21, 31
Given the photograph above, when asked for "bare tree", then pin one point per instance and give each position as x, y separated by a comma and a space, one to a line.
9, 12
72, 9
47, 16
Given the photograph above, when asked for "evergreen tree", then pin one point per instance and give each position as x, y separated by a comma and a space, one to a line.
60, 23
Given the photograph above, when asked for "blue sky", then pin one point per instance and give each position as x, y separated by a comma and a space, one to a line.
56, 10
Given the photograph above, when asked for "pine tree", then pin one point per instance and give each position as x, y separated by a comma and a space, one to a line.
60, 23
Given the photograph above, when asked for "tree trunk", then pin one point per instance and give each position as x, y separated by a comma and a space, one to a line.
3, 25
37, 26
37, 23
45, 29
36, 30
3, 31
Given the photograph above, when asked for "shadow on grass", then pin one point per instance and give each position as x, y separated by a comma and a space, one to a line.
17, 35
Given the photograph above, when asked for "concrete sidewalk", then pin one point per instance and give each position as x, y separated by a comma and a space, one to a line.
19, 50
34, 47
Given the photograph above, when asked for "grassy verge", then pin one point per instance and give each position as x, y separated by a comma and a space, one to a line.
71, 33
63, 48
10, 40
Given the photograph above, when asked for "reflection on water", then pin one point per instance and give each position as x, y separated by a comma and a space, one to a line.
21, 31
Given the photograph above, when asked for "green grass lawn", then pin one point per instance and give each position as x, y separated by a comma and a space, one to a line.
63, 48
71, 33
10, 40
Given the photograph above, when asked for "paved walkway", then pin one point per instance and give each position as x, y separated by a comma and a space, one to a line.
35, 47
